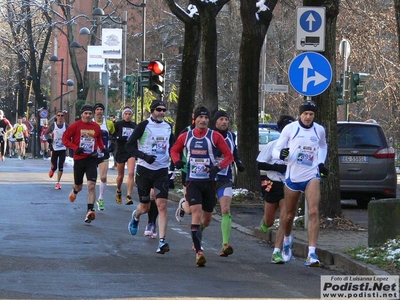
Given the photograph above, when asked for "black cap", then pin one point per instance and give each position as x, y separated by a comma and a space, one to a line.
307, 106
155, 104
97, 105
86, 107
201, 111
283, 121
220, 113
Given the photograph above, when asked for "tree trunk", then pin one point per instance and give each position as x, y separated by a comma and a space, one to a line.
187, 92
253, 35
209, 50
397, 16
327, 115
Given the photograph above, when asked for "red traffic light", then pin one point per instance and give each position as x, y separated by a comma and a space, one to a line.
156, 67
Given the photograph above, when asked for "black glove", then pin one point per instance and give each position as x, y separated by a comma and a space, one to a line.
323, 171
94, 154
50, 141
111, 148
179, 164
105, 151
51, 147
284, 153
171, 176
280, 168
213, 170
240, 167
149, 158
80, 150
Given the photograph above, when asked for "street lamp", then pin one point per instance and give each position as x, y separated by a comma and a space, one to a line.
69, 82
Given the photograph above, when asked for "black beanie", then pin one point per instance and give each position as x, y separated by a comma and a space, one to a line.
155, 104
86, 107
307, 106
283, 121
201, 111
98, 105
220, 113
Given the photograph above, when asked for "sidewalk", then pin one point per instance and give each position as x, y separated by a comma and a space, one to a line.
331, 243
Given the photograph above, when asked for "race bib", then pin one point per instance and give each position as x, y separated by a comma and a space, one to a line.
305, 156
198, 169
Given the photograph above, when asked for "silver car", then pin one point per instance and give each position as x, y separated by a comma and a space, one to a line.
366, 162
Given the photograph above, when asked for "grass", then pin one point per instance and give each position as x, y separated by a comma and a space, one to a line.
386, 256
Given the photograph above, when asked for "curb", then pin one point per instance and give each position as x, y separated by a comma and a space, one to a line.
300, 248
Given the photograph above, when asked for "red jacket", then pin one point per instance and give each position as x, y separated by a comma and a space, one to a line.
79, 131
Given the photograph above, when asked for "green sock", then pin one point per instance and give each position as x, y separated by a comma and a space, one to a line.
226, 225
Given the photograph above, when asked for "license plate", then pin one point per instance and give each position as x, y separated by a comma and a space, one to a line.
354, 159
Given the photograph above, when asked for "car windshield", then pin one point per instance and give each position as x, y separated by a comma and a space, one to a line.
359, 136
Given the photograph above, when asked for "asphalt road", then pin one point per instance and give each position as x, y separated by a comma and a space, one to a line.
48, 252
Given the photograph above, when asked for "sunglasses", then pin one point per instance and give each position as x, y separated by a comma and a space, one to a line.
60, 115
161, 109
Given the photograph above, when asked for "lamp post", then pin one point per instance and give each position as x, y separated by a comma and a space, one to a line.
69, 82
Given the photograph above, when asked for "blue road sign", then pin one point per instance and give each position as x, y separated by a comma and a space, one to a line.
310, 21
44, 113
310, 73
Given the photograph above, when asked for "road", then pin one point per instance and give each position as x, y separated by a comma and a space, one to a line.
48, 252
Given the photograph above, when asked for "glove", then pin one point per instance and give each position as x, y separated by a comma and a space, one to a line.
284, 153
213, 170
179, 164
171, 176
79, 151
50, 141
149, 158
323, 171
111, 148
280, 168
240, 167
94, 154
105, 151
51, 147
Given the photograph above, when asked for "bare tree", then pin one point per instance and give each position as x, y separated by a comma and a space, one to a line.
255, 21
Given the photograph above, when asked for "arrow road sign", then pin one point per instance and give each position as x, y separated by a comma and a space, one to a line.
310, 28
310, 73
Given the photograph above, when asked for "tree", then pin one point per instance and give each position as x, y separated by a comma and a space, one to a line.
397, 17
190, 58
255, 21
326, 113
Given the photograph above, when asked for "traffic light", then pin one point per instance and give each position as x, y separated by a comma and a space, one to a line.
129, 80
357, 81
157, 76
339, 90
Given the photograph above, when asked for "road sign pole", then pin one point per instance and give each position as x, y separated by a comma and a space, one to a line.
345, 50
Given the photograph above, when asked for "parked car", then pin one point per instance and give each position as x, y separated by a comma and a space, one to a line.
366, 162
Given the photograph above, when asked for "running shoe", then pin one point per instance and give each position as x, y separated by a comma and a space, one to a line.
200, 259
133, 225
72, 196
226, 250
51, 173
162, 247
287, 250
277, 258
194, 248
2, 158
58, 186
118, 197
312, 261
128, 200
154, 232
100, 204
90, 216
180, 212
149, 229
264, 227
19, 157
